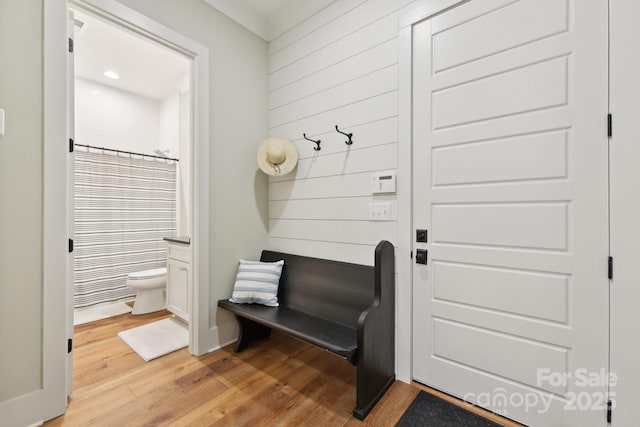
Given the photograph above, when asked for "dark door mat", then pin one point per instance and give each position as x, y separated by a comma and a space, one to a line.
431, 411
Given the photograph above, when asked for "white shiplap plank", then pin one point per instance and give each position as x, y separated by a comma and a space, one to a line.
371, 134
376, 108
357, 232
348, 162
345, 252
379, 32
344, 208
373, 84
332, 186
337, 66
373, 59
357, 254
301, 17
334, 31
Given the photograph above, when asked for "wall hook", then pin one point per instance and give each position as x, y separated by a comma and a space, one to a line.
317, 147
348, 135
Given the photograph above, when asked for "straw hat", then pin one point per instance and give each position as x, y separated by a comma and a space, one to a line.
277, 156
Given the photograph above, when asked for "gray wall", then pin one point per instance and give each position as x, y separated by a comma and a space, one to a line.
238, 124
21, 198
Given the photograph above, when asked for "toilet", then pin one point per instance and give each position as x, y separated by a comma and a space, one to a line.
151, 288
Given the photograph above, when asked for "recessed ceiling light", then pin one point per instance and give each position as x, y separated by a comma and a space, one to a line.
111, 74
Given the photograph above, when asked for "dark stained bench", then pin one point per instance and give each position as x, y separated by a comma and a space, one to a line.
348, 309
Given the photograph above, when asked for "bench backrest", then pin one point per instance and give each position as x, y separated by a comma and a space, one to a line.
333, 290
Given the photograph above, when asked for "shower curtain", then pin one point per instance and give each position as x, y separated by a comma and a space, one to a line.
124, 206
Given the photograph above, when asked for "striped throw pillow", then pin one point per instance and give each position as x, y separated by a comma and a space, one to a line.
257, 283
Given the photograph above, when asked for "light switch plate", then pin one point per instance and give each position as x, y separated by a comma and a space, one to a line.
1, 122
379, 211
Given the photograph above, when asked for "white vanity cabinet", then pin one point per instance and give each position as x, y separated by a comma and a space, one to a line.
178, 279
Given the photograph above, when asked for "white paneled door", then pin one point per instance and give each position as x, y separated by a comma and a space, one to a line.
510, 167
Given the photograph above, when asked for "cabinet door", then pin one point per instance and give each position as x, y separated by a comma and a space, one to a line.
177, 288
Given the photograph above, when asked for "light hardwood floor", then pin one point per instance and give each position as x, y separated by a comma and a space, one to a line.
277, 381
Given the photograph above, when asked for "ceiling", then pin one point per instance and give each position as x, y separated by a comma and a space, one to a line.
145, 68
254, 15
266, 8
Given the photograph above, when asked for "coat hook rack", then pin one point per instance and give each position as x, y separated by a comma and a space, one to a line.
348, 135
317, 147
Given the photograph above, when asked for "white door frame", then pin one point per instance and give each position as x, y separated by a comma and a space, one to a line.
55, 151
404, 263
625, 210
199, 179
55, 280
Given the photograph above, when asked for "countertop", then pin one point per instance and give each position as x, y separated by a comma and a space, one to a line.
184, 240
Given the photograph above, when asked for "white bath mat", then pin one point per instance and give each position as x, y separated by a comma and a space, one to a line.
99, 311
157, 339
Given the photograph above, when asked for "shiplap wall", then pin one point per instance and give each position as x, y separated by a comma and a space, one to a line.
334, 63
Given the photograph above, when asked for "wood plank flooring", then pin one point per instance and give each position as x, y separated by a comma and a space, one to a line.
277, 381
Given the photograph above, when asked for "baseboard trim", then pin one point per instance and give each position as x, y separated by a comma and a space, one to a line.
222, 335
21, 411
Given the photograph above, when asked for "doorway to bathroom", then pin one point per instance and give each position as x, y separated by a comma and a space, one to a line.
131, 173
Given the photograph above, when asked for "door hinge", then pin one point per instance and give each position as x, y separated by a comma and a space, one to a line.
610, 269
70, 245
609, 410
609, 125
71, 145
70, 45
411, 255
69, 345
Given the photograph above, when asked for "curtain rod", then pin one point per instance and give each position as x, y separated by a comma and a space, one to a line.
126, 152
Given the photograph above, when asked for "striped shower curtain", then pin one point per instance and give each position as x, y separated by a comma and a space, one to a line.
124, 206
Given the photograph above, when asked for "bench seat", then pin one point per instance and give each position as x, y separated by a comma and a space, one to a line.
335, 337
347, 309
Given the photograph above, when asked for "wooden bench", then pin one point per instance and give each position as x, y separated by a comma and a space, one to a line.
347, 309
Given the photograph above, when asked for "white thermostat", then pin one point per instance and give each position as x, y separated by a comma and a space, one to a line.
383, 182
